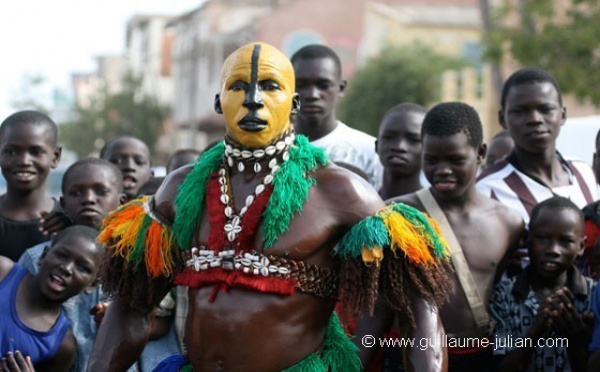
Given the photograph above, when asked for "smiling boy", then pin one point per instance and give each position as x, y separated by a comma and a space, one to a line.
33, 322
28, 151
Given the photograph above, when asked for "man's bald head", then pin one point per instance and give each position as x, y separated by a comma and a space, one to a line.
257, 94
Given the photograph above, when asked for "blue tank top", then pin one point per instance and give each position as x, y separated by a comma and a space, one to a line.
15, 335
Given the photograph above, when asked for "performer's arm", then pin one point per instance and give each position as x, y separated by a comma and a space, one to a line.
121, 338
428, 353
370, 329
138, 274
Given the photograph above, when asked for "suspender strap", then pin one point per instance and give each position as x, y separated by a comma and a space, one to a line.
482, 318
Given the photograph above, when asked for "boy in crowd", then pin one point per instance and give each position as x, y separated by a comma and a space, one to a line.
34, 323
132, 157
28, 150
499, 147
485, 230
180, 158
399, 148
532, 112
91, 188
320, 86
550, 300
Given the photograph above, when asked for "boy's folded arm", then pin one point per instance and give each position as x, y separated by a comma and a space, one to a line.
64, 357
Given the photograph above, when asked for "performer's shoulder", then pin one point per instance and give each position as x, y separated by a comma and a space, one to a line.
164, 200
409, 199
346, 192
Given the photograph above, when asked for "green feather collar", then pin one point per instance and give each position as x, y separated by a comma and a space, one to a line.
290, 191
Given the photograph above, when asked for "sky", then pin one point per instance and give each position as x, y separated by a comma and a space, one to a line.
54, 38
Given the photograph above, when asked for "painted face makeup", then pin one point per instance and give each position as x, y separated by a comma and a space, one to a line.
257, 95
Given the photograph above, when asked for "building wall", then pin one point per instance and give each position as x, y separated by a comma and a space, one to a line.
338, 24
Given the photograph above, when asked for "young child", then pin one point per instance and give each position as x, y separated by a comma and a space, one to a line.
91, 188
132, 157
28, 150
180, 158
399, 148
487, 231
549, 300
32, 320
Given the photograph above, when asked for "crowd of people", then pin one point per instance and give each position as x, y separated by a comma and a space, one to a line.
296, 238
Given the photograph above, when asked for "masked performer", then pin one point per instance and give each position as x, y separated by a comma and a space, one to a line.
251, 230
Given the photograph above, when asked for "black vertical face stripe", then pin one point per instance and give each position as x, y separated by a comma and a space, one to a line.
254, 71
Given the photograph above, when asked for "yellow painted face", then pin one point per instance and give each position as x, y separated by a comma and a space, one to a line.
257, 95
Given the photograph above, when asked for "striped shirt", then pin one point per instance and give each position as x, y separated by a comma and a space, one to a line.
513, 188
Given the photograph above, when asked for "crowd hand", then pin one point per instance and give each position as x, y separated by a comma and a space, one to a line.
568, 322
98, 312
543, 320
53, 222
16, 363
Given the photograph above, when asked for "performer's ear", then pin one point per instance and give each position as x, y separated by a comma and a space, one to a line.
295, 103
218, 108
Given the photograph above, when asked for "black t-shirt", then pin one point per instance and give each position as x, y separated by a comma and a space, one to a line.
18, 236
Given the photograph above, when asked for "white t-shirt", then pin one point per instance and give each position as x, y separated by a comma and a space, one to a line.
351, 146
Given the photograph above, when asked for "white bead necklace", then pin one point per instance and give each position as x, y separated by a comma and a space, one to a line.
233, 225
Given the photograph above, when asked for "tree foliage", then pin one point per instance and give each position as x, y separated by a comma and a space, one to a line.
109, 115
400, 74
561, 36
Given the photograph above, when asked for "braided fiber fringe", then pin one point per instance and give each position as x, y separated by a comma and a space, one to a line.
337, 353
419, 263
143, 256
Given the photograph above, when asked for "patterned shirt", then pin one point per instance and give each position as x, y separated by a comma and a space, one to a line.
514, 307
504, 182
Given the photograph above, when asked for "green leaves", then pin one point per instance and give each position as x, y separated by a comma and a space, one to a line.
401, 74
558, 36
112, 114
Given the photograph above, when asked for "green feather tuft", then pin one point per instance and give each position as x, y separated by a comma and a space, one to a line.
311, 363
190, 199
338, 352
290, 188
137, 252
369, 232
420, 220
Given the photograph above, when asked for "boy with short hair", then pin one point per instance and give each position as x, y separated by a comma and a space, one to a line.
91, 188
532, 111
319, 83
28, 151
484, 230
33, 322
399, 148
133, 159
550, 299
